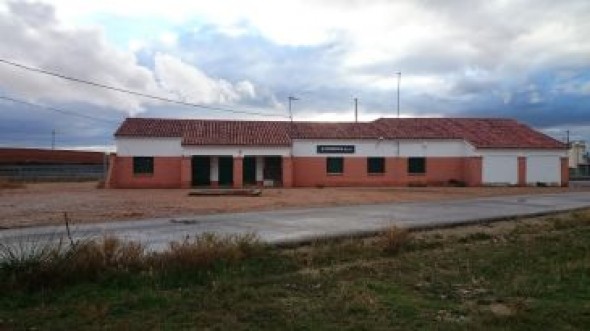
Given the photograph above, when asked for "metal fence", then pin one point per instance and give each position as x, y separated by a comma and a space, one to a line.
65, 172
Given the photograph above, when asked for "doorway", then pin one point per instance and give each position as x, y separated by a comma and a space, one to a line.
249, 177
226, 171
201, 171
273, 170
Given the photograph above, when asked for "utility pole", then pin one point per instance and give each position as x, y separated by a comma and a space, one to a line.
356, 110
567, 137
399, 78
53, 139
291, 99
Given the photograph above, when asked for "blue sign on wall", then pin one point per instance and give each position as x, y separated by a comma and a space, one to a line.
335, 149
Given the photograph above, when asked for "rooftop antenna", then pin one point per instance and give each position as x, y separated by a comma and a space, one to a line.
291, 99
399, 78
356, 110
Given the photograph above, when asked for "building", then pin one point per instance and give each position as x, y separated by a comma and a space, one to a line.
577, 153
174, 153
579, 162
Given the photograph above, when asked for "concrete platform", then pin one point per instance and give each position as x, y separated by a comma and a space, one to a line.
284, 227
226, 191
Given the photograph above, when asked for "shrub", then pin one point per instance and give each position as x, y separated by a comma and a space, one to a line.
206, 249
91, 257
30, 264
394, 239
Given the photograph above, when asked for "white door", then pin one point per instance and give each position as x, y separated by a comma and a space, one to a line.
500, 170
543, 169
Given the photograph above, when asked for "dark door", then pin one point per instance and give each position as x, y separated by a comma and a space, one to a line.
226, 170
201, 170
249, 170
273, 169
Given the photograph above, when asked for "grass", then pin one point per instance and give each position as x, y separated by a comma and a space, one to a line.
523, 275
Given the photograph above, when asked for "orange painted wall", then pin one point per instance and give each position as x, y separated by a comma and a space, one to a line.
238, 170
167, 174
175, 172
287, 171
311, 171
565, 172
521, 171
186, 172
473, 170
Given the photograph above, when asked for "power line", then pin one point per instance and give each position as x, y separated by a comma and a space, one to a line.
62, 111
144, 95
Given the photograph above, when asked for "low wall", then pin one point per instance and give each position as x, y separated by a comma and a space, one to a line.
54, 172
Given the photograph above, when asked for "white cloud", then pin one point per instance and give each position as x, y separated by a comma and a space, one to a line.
34, 37
193, 85
168, 38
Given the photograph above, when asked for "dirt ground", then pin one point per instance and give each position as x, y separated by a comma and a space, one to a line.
45, 203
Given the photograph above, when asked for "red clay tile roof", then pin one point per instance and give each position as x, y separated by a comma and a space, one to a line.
323, 130
209, 132
482, 133
202, 132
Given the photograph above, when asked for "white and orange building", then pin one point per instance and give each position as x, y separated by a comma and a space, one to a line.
178, 153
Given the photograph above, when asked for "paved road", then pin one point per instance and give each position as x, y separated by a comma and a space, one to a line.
295, 225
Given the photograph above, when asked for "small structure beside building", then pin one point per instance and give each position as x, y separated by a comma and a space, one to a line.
579, 160
178, 153
33, 164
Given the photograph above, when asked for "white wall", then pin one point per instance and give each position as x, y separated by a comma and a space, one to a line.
500, 169
522, 152
386, 148
544, 169
501, 165
148, 146
173, 147
236, 150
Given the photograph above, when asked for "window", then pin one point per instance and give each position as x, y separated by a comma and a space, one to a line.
375, 165
143, 165
416, 165
334, 165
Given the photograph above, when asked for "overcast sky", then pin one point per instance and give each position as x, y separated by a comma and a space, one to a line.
528, 60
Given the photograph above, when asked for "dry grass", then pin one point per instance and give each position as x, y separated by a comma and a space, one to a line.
30, 264
109, 253
394, 239
206, 249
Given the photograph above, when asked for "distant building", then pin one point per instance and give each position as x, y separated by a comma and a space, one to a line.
177, 153
577, 154
579, 162
33, 164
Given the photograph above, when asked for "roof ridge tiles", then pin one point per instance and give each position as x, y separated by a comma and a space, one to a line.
481, 132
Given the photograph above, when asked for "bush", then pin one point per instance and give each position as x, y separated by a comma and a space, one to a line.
394, 239
206, 249
34, 265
